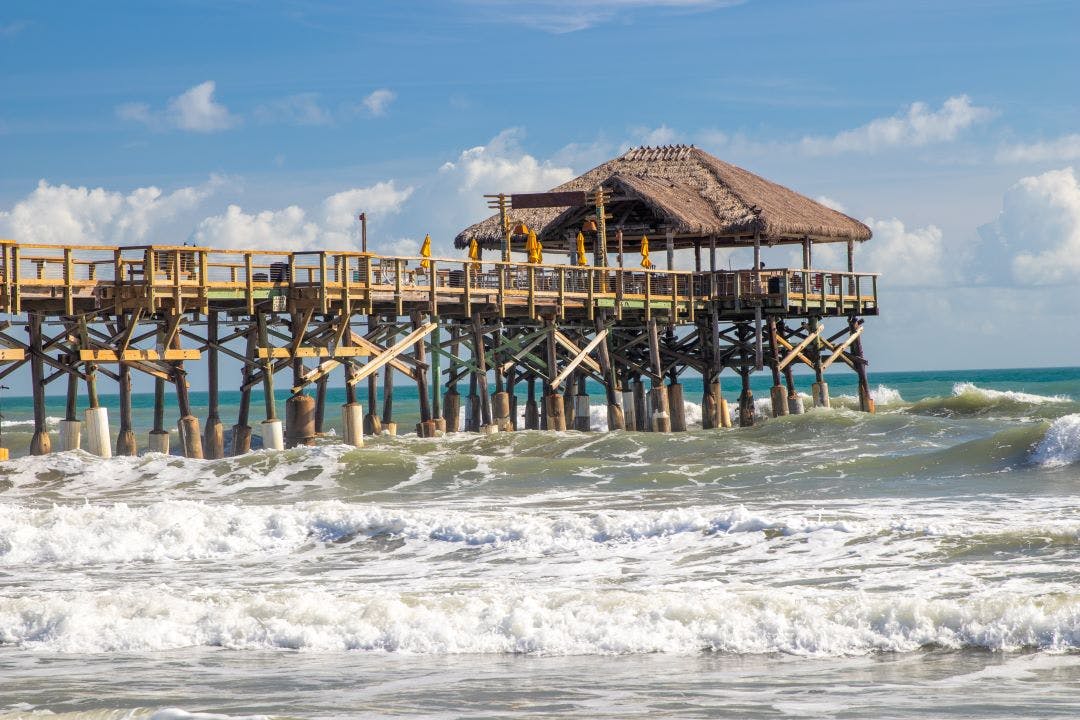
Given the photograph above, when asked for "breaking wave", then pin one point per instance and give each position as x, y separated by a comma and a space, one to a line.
551, 621
969, 399
1061, 443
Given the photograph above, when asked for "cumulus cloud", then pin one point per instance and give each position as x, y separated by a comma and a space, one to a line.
293, 228
1061, 149
379, 101
300, 109
502, 166
906, 257
1039, 228
919, 125
194, 110
662, 135
78, 215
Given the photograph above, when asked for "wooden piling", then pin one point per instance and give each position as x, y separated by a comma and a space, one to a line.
40, 443
426, 426
241, 431
372, 422
214, 434
659, 410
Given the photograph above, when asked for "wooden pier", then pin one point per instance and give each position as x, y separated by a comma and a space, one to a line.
498, 327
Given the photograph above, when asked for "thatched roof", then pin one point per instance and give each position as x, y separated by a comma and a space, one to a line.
687, 191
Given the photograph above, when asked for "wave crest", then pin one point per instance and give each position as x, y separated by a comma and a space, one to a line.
1061, 443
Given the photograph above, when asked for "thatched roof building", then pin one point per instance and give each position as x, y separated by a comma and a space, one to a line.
685, 191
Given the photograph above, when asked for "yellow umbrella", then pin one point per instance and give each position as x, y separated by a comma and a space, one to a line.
581, 260
425, 252
532, 247
645, 261
474, 250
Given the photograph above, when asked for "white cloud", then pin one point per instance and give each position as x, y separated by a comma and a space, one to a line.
287, 229
378, 102
300, 109
502, 166
906, 257
194, 110
1061, 149
662, 135
918, 126
293, 228
1039, 228
12, 29
830, 203
79, 215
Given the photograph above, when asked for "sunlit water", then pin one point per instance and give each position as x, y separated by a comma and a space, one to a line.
921, 562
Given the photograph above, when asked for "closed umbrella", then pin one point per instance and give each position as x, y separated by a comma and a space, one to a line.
581, 259
645, 261
425, 252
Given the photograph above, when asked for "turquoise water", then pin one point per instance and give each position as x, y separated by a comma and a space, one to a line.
920, 562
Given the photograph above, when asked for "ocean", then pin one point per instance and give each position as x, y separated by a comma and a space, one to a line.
920, 562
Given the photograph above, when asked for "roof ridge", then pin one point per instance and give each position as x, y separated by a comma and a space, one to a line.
710, 163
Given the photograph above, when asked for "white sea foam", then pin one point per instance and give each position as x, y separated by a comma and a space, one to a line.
172, 531
967, 389
50, 422
549, 621
884, 395
1061, 443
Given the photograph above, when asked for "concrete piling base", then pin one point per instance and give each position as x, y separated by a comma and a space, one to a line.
299, 420
795, 405
582, 413
677, 407
556, 420
615, 418
158, 442
725, 413
97, 432
352, 422
273, 436
778, 396
70, 435
629, 415
389, 428
214, 439
659, 416
820, 392
190, 437
241, 440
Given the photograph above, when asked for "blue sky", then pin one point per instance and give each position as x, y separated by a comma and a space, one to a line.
952, 128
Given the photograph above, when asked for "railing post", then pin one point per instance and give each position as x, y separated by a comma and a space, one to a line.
805, 291
368, 296
249, 283
177, 290
619, 293
873, 278
858, 295
502, 271
398, 301
324, 298
16, 281
590, 277
648, 295
69, 299
532, 291
432, 295
562, 292
469, 272
204, 290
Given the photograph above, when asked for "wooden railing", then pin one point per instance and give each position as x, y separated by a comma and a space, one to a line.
154, 273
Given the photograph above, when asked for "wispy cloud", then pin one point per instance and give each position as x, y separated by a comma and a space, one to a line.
11, 29
919, 125
194, 110
299, 109
565, 16
379, 101
1063, 149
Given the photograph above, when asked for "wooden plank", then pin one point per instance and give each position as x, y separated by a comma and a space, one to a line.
388, 355
278, 353
582, 355
170, 354
797, 350
572, 347
571, 198
12, 354
838, 351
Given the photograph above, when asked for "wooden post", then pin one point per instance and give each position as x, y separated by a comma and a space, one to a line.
452, 399
40, 443
820, 389
190, 437
436, 376
214, 435
372, 422
486, 425
777, 395
746, 396
658, 398
125, 440
241, 431
70, 426
554, 408
615, 416
866, 400
320, 405
532, 414
426, 427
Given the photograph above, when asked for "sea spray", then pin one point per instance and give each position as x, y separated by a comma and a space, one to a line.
1061, 444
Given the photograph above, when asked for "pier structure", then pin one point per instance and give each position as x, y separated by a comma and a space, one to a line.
499, 327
